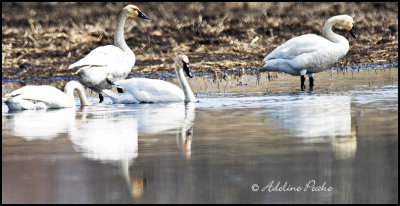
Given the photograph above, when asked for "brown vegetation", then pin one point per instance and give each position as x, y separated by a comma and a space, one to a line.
43, 39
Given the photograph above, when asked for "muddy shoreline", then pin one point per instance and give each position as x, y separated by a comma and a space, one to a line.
42, 39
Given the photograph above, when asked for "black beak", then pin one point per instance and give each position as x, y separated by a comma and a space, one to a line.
187, 70
142, 15
352, 33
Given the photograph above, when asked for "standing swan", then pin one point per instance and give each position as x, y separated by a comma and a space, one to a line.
155, 90
45, 97
114, 62
310, 53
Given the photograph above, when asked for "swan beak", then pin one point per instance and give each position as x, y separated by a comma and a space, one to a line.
142, 15
186, 68
352, 33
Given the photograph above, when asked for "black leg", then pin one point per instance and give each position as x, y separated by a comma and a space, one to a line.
303, 79
120, 90
101, 98
311, 83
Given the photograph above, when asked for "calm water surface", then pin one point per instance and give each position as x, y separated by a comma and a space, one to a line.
239, 147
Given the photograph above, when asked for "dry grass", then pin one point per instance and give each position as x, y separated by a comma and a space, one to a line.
43, 39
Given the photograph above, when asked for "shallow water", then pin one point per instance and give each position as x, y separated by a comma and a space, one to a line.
246, 141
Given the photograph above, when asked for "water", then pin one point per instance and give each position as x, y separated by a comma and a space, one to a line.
240, 143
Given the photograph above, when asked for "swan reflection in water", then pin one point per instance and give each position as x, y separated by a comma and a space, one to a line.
112, 136
104, 137
317, 118
168, 118
39, 124
108, 134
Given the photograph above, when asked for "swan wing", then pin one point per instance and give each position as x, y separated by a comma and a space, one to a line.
106, 56
297, 46
101, 63
152, 90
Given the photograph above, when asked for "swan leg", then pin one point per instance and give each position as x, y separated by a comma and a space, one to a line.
120, 90
101, 98
311, 79
302, 79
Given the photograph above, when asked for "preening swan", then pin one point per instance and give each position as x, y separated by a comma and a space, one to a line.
155, 90
310, 53
114, 62
45, 97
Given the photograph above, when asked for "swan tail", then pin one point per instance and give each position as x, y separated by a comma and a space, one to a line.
112, 95
266, 68
109, 93
117, 98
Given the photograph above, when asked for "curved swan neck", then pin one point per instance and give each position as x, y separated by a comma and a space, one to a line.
69, 90
189, 96
119, 40
329, 34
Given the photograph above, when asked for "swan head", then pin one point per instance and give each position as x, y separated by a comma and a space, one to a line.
346, 22
133, 11
182, 61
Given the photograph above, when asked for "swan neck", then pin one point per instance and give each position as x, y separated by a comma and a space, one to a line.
329, 34
189, 96
69, 90
119, 39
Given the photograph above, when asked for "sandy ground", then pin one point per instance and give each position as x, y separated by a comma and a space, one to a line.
42, 39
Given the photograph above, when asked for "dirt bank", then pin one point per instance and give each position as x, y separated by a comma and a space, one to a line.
43, 39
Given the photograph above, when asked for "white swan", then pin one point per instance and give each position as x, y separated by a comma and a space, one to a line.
114, 62
45, 97
120, 98
155, 90
310, 53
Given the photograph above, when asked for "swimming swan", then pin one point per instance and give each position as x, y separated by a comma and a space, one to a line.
114, 62
310, 53
155, 90
120, 98
45, 97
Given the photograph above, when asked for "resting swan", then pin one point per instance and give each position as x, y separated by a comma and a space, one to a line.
154, 90
310, 53
33, 97
114, 62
